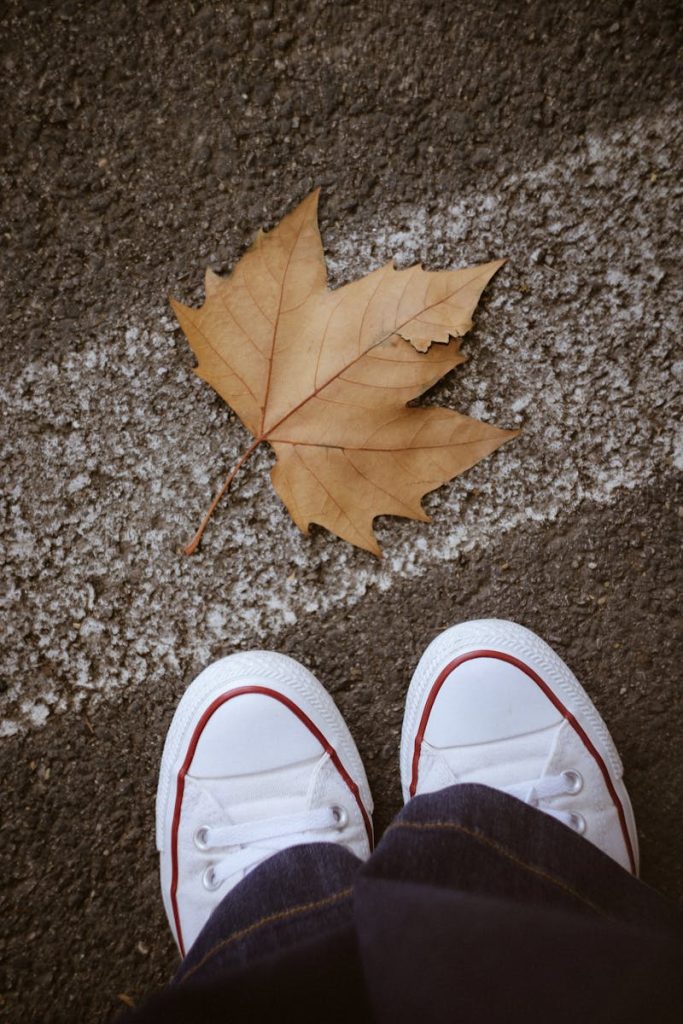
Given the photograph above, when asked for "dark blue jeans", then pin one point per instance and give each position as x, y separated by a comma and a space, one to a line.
473, 907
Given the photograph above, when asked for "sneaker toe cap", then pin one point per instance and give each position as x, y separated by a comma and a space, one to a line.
249, 733
487, 699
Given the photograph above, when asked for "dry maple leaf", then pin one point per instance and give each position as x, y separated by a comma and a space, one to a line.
324, 377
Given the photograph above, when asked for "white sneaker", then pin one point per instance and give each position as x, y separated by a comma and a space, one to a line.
257, 758
490, 702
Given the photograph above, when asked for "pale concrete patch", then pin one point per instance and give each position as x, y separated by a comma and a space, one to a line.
111, 455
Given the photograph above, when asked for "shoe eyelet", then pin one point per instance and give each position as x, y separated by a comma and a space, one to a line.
209, 880
574, 781
578, 823
201, 838
341, 817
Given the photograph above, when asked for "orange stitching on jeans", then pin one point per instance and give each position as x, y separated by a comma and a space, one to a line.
282, 915
504, 851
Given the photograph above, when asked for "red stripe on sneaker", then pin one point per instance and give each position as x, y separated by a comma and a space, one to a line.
180, 786
441, 679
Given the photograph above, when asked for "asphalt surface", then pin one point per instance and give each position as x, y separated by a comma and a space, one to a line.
142, 142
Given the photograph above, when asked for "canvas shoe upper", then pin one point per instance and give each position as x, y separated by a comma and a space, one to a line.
490, 702
257, 758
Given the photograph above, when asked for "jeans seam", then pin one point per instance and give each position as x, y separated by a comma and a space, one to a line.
485, 840
282, 915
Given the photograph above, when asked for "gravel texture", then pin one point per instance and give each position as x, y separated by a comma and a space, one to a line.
144, 141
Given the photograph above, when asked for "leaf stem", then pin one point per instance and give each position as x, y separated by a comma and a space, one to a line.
190, 548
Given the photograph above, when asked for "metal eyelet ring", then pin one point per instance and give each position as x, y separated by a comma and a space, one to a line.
201, 838
574, 781
578, 823
341, 817
209, 879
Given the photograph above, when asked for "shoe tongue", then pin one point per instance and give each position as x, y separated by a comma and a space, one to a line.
261, 795
503, 762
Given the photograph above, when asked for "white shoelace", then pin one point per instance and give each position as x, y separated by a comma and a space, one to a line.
536, 791
244, 846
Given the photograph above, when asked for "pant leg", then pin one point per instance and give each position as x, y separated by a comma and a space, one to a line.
476, 907
297, 894
280, 946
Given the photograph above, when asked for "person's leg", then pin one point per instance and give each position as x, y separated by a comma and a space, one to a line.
302, 893
263, 814
280, 946
504, 910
